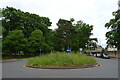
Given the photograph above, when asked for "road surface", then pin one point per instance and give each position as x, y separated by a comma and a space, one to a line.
16, 69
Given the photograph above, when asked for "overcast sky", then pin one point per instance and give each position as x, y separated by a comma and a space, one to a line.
93, 12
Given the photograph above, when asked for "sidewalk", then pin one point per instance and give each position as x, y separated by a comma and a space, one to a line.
2, 61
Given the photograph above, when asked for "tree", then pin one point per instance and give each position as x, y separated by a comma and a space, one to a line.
34, 33
63, 34
92, 43
37, 42
72, 36
114, 33
49, 40
81, 36
0, 31
14, 42
15, 19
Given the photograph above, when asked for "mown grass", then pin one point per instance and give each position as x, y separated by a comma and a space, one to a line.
61, 59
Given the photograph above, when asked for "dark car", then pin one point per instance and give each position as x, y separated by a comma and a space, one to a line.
105, 56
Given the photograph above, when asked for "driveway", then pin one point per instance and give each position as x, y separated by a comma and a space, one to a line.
16, 69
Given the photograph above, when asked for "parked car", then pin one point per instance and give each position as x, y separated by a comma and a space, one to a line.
90, 54
94, 55
105, 56
98, 55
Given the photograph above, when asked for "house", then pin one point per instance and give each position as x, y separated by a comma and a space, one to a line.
110, 48
98, 49
92, 52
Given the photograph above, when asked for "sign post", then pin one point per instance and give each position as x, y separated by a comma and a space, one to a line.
40, 51
81, 49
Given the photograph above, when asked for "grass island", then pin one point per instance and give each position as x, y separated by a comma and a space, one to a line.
62, 61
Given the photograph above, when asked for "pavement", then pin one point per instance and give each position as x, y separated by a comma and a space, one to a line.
11, 60
15, 69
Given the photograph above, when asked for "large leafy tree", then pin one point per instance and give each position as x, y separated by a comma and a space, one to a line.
73, 36
81, 36
63, 34
113, 36
17, 19
36, 41
49, 39
83, 32
0, 31
36, 34
14, 42
92, 43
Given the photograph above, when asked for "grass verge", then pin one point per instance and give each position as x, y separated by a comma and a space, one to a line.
61, 60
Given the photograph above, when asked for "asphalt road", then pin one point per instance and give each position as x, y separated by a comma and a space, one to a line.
16, 69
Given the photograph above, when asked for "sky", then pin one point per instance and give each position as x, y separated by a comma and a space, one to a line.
93, 12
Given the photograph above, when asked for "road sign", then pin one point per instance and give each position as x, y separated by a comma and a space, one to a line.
40, 50
81, 49
68, 50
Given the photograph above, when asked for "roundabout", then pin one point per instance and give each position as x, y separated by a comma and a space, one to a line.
15, 69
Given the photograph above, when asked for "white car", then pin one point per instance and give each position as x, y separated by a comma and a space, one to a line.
94, 55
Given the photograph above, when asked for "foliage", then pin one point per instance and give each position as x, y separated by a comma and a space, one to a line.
61, 59
63, 34
70, 35
14, 42
92, 43
83, 33
15, 19
26, 33
37, 41
114, 33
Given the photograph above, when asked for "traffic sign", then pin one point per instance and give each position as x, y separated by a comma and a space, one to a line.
81, 49
68, 50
